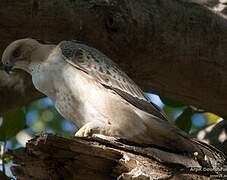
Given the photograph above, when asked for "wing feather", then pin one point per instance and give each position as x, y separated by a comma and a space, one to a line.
106, 72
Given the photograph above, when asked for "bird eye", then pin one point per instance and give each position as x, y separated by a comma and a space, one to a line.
16, 53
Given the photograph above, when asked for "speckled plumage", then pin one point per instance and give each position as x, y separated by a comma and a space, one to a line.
107, 73
92, 91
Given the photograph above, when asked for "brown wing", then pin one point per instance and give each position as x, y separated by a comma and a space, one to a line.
106, 72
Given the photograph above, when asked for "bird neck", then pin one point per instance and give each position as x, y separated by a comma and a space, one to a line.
41, 53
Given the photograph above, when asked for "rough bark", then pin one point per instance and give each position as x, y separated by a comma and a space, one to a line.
53, 158
174, 48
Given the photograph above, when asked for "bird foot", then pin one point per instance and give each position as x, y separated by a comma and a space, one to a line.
88, 130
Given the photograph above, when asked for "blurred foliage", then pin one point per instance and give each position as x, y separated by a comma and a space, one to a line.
11, 123
7, 158
170, 102
18, 126
211, 118
188, 118
184, 120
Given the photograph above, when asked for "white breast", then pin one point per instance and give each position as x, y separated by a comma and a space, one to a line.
67, 87
78, 89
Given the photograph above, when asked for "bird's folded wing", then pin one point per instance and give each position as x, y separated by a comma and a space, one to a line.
106, 72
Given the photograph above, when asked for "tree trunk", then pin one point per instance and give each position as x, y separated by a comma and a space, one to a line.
49, 157
174, 48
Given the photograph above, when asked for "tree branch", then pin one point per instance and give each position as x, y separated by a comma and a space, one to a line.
174, 48
54, 157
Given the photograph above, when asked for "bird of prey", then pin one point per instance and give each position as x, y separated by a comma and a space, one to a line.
89, 89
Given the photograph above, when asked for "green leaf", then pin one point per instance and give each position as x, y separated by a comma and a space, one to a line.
169, 111
13, 122
211, 118
171, 102
7, 158
184, 120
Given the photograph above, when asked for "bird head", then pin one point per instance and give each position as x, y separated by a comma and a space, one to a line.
18, 54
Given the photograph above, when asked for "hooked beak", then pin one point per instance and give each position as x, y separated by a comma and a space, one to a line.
8, 68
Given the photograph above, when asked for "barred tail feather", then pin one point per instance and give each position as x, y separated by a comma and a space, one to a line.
213, 157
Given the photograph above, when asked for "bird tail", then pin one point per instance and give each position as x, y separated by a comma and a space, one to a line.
212, 157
